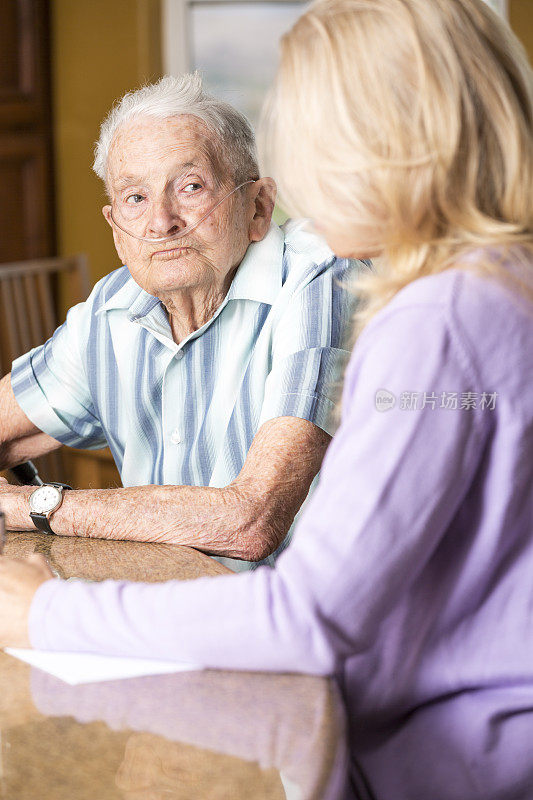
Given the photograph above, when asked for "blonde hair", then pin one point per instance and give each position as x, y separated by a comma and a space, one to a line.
408, 126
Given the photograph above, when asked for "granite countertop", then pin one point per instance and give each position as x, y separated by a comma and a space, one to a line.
206, 734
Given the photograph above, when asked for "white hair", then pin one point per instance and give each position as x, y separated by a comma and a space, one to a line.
171, 97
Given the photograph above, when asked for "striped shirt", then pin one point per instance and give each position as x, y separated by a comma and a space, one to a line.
186, 414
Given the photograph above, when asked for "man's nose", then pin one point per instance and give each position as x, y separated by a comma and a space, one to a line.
165, 218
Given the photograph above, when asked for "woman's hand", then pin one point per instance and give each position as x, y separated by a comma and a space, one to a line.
19, 580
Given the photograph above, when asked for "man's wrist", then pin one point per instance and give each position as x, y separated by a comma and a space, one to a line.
16, 506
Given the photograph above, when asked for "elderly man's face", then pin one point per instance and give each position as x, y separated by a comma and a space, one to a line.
164, 175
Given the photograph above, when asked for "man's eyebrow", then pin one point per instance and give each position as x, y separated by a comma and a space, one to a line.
187, 165
132, 180
127, 180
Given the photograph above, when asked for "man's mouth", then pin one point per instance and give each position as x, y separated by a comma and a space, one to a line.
172, 252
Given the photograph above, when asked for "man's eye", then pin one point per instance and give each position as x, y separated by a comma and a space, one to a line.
133, 199
192, 187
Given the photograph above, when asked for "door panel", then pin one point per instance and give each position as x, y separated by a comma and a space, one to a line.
27, 198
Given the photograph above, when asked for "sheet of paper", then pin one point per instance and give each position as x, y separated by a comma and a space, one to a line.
75, 668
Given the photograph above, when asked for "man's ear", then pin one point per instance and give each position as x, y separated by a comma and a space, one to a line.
263, 196
106, 211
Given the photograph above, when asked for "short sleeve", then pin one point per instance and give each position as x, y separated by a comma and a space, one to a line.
309, 347
51, 387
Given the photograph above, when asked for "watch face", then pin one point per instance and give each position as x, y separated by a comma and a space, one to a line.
45, 499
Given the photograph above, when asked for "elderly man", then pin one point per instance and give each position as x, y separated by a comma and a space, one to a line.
207, 364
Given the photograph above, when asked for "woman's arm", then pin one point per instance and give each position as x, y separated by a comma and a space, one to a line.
390, 485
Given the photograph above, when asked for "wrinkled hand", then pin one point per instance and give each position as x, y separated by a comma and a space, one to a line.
19, 580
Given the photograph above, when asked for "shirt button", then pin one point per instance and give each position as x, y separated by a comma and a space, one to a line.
175, 437
180, 354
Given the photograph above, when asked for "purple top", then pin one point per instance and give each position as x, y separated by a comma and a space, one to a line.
411, 574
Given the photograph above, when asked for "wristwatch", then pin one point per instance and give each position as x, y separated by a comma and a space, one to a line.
43, 502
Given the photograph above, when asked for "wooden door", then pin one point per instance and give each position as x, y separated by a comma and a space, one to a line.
26, 176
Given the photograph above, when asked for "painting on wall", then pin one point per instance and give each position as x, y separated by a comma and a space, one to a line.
500, 6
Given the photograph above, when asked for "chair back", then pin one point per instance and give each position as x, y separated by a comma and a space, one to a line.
29, 314
28, 301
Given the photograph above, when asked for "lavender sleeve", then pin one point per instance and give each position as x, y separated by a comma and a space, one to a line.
390, 485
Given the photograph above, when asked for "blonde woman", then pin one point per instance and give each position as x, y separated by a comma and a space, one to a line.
411, 575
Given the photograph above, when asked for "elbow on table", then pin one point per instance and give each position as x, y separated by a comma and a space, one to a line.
259, 531
258, 542
263, 531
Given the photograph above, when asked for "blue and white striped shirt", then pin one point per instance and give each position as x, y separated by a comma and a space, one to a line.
187, 414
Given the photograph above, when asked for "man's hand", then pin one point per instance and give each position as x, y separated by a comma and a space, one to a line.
19, 580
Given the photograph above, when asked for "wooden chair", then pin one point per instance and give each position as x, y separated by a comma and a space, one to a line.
29, 314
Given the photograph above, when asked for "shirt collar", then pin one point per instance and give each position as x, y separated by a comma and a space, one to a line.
258, 276
130, 296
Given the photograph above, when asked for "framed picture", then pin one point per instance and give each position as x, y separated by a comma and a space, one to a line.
233, 43
500, 6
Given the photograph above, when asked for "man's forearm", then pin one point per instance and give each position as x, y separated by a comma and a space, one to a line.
247, 519
218, 521
33, 446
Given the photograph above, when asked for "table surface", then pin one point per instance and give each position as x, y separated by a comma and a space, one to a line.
207, 734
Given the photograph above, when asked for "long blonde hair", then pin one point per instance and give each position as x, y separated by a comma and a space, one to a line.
407, 125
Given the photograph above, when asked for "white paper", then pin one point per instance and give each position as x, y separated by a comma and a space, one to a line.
75, 668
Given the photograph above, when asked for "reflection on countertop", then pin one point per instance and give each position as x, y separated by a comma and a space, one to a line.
190, 735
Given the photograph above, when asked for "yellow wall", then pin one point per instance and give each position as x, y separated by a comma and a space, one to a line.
101, 48
521, 19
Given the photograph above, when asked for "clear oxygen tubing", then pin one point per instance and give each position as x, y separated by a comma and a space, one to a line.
183, 231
